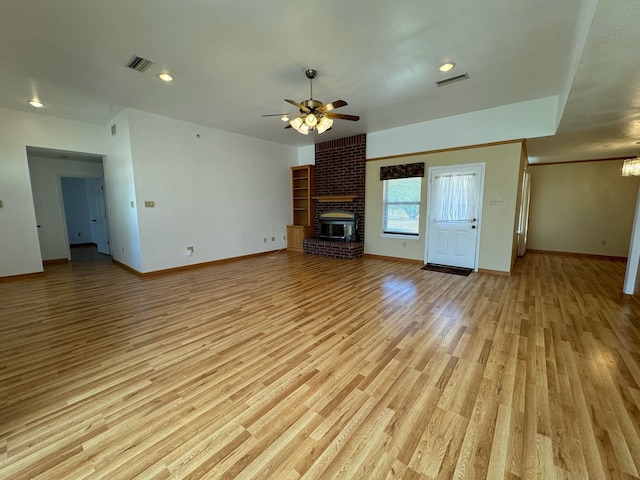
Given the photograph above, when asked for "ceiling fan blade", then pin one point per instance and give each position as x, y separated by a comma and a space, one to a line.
288, 126
299, 105
342, 116
333, 105
279, 114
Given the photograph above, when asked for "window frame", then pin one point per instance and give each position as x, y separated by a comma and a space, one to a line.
386, 231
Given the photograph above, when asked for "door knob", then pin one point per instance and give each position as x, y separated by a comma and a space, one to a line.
473, 226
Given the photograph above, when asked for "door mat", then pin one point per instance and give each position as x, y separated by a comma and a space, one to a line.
447, 269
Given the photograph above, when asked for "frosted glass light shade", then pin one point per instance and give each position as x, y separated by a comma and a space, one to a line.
324, 125
311, 120
296, 123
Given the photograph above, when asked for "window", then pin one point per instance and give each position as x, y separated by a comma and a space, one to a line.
401, 209
455, 199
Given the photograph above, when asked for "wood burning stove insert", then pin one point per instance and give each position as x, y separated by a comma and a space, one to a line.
338, 225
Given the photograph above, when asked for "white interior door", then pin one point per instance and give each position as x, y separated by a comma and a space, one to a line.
455, 201
99, 230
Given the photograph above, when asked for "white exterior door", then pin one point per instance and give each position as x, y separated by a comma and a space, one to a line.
455, 201
98, 212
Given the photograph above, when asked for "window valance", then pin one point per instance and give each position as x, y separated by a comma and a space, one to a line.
402, 171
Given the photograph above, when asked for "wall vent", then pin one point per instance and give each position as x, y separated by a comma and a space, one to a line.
139, 64
447, 81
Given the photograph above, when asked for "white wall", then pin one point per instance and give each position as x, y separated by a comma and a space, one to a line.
119, 185
307, 155
220, 192
533, 118
577, 206
632, 274
45, 176
19, 246
502, 171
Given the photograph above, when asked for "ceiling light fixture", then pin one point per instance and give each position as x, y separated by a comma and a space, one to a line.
165, 77
35, 103
445, 67
313, 114
324, 125
631, 167
313, 117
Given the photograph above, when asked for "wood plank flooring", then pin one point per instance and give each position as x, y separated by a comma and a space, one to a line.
290, 366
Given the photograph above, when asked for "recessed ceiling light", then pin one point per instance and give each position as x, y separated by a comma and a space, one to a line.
445, 67
36, 103
165, 77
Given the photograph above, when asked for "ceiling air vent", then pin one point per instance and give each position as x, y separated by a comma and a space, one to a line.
139, 64
447, 81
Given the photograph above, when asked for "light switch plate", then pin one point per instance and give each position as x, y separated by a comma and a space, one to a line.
149, 204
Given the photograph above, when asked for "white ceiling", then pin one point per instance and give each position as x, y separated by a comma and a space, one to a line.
236, 60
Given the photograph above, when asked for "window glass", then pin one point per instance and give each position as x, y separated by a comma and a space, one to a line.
401, 210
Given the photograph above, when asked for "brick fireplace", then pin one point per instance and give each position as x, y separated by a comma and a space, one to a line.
339, 185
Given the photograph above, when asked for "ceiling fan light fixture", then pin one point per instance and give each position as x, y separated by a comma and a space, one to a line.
304, 129
324, 125
296, 123
311, 120
313, 114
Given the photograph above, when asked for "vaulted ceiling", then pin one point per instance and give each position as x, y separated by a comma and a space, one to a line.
234, 61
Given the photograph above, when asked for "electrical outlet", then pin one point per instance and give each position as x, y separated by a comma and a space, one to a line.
265, 239
149, 203
189, 251
132, 204
604, 242
273, 239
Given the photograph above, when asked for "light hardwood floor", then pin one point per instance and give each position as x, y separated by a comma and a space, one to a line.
291, 366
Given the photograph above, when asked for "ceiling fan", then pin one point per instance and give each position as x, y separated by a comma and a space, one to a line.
314, 115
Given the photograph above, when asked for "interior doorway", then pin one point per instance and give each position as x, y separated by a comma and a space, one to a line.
69, 202
85, 213
455, 211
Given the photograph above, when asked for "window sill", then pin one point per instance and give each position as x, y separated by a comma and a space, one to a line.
399, 235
